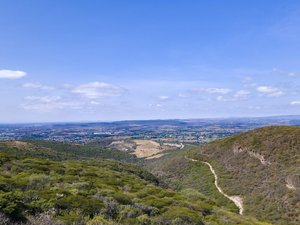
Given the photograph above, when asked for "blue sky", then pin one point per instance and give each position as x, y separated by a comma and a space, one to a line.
115, 60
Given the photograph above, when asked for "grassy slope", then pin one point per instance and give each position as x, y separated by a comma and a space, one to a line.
80, 190
180, 174
60, 151
262, 186
97, 192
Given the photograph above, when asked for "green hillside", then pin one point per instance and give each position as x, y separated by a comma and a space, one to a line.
262, 166
35, 190
175, 171
62, 151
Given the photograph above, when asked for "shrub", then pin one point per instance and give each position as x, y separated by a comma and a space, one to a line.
38, 181
98, 220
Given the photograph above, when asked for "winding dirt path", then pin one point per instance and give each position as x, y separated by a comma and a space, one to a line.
181, 146
237, 200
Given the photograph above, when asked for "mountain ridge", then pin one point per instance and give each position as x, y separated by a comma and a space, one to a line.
261, 165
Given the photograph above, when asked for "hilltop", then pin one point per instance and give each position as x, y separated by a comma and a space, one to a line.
262, 166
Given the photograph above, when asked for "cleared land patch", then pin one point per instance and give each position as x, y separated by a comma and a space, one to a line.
147, 148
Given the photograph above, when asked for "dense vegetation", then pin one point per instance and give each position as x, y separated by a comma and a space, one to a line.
180, 174
263, 166
36, 190
61, 151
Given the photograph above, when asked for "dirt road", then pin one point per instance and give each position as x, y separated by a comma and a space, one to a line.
237, 200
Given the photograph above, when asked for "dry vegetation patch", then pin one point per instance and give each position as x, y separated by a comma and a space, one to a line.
17, 144
147, 148
156, 156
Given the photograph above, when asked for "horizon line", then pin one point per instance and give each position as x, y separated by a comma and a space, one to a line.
158, 119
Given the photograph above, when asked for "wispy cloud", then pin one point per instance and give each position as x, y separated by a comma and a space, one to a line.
164, 98
217, 90
49, 103
92, 95
247, 79
37, 85
285, 72
181, 95
295, 103
241, 94
221, 98
95, 90
12, 74
248, 82
213, 90
156, 105
269, 91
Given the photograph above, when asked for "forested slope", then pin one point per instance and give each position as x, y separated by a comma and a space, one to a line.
262, 166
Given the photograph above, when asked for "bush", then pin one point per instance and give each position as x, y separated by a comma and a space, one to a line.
12, 206
98, 220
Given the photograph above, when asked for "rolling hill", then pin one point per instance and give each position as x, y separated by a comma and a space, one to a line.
62, 150
263, 167
57, 183
54, 182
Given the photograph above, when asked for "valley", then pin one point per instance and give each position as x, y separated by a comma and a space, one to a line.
242, 179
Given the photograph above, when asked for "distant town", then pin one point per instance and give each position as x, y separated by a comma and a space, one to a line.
171, 131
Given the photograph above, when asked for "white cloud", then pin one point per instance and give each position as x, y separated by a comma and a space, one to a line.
247, 79
292, 74
94, 103
156, 105
164, 97
254, 107
95, 90
295, 103
12, 74
214, 90
220, 98
269, 91
91, 94
248, 82
285, 72
37, 85
49, 103
45, 99
180, 95
241, 94
218, 90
